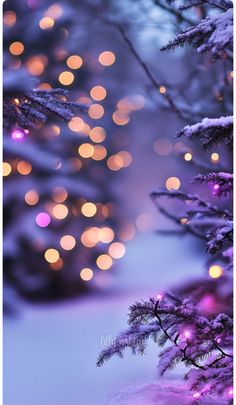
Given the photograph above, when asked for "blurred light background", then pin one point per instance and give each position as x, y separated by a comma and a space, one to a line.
80, 227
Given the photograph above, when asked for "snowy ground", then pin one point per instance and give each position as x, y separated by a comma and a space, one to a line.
50, 350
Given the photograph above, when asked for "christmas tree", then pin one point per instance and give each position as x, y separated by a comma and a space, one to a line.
195, 321
62, 229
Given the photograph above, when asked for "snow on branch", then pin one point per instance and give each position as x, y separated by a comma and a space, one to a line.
222, 182
211, 131
214, 34
204, 345
33, 107
220, 4
201, 219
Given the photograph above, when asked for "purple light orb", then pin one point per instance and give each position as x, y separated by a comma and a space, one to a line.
207, 304
43, 219
18, 134
33, 4
159, 297
196, 395
187, 334
216, 187
230, 392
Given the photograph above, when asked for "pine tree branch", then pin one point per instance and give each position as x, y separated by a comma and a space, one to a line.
148, 73
175, 341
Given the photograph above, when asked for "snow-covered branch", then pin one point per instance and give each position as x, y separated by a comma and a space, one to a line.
222, 182
202, 344
211, 131
36, 106
214, 34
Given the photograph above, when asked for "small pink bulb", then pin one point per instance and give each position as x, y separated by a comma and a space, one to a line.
187, 334
216, 187
196, 395
18, 135
159, 297
43, 219
230, 392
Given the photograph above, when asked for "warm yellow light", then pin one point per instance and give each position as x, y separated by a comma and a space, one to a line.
172, 183
36, 64
188, 156
96, 111
88, 209
75, 164
46, 23
74, 62
51, 255
66, 78
86, 150
104, 262
59, 194
85, 130
89, 238
125, 106
98, 93
115, 162
31, 197
117, 250
107, 58
54, 11
16, 48
76, 124
215, 157
6, 169
99, 153
127, 233
105, 211
67, 242
126, 158
184, 221
24, 168
16, 101
84, 100
106, 235
163, 146
60, 211
9, 18
97, 134
215, 271
86, 274
120, 118
162, 89
44, 86
57, 265
55, 129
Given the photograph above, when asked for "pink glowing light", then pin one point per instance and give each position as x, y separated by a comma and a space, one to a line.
18, 135
159, 297
207, 304
187, 334
230, 392
33, 3
43, 219
216, 187
196, 395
